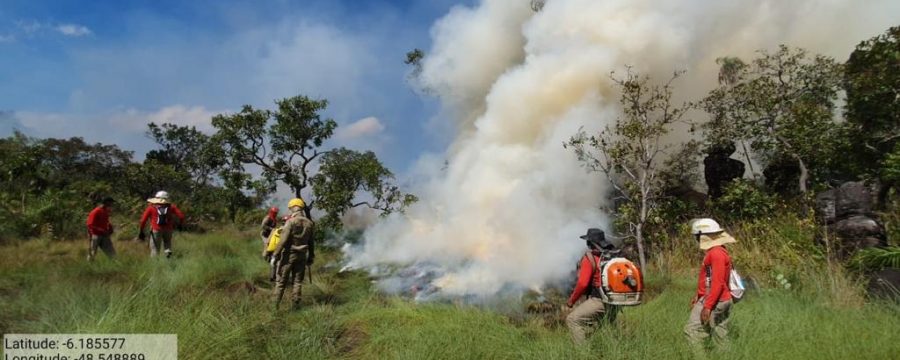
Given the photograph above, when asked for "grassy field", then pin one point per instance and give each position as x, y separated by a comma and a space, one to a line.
216, 297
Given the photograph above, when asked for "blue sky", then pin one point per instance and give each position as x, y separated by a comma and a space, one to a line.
103, 69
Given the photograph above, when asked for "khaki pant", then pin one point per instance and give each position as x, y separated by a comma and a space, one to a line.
161, 238
586, 314
696, 332
104, 243
291, 268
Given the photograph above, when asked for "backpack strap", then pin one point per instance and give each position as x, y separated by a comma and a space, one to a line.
593, 261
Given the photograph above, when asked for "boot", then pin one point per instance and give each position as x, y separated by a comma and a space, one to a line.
279, 293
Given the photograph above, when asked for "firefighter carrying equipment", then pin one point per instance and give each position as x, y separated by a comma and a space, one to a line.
621, 282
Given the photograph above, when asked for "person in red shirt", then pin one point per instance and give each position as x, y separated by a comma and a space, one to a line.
163, 217
269, 222
588, 283
711, 306
100, 229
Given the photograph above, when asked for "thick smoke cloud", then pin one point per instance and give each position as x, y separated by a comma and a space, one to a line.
506, 210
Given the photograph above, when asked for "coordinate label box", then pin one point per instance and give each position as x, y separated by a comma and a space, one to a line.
90, 347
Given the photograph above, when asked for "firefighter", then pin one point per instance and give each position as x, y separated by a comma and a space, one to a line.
269, 223
294, 252
100, 229
163, 217
711, 306
585, 314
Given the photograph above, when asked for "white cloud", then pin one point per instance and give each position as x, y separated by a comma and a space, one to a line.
6, 38
364, 127
29, 27
136, 120
73, 30
34, 27
128, 121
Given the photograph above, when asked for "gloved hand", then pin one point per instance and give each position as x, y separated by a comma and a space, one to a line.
309, 260
179, 227
111, 229
142, 236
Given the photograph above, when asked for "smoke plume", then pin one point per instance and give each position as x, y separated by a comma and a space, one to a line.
506, 211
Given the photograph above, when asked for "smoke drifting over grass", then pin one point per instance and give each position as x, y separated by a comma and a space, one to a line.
506, 211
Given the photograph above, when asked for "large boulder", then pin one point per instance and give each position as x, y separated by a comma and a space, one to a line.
858, 232
846, 212
851, 198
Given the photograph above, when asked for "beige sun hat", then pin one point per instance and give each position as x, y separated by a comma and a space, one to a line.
710, 241
711, 234
161, 197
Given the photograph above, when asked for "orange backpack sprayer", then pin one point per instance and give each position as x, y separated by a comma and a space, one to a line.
621, 281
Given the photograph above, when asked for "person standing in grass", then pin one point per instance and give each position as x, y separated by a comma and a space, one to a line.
100, 229
711, 306
294, 252
272, 243
269, 222
163, 217
589, 282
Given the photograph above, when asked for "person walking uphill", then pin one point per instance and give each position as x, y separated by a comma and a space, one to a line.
100, 229
589, 282
712, 305
294, 252
163, 216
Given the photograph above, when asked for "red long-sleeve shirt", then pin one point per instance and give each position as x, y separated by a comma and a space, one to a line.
586, 277
151, 214
98, 221
718, 262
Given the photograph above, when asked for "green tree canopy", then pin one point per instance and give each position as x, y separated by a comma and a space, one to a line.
288, 144
783, 102
872, 82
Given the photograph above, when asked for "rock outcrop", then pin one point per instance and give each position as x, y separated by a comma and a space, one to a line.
720, 168
847, 214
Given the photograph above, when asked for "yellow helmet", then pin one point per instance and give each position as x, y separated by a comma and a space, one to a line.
296, 202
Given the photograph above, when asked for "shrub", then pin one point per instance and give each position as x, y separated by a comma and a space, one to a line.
743, 200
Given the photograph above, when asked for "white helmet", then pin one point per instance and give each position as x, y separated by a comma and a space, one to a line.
162, 195
705, 226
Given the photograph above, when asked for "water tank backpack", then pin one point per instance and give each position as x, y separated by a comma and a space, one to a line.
274, 239
162, 215
735, 284
621, 282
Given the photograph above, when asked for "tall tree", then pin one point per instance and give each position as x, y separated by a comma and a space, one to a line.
629, 153
287, 145
344, 174
783, 102
187, 150
872, 82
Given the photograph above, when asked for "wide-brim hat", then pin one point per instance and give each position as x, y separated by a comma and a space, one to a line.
709, 241
598, 237
594, 234
155, 200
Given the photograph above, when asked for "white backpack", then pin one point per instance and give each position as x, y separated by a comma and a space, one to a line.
735, 284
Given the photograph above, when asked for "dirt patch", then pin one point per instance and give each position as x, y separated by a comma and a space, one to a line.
351, 338
245, 287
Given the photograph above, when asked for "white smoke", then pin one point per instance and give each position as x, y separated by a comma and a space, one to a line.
507, 210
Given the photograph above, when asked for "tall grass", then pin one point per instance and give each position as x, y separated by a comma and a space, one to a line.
216, 297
